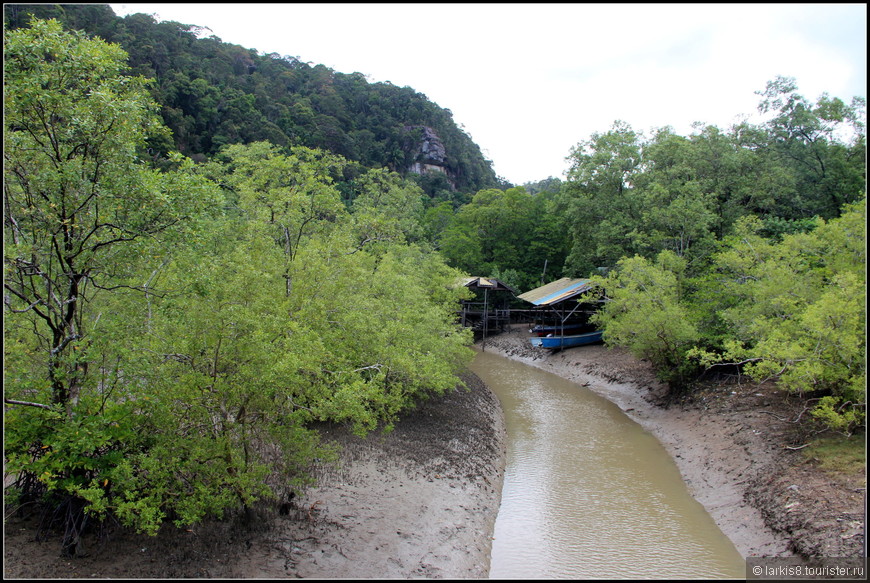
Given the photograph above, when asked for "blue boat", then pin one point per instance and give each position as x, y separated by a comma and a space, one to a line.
542, 330
567, 341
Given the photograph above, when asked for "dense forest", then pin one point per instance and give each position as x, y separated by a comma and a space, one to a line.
213, 93
196, 237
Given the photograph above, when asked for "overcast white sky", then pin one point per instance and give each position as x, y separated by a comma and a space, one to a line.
529, 81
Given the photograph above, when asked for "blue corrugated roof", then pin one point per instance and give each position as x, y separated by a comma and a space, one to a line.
556, 291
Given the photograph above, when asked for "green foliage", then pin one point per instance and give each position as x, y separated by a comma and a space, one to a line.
387, 208
684, 193
776, 227
827, 173
402, 302
677, 201
223, 389
84, 221
503, 230
766, 282
839, 416
79, 204
598, 193
215, 94
168, 346
550, 186
173, 330
643, 313
840, 456
800, 316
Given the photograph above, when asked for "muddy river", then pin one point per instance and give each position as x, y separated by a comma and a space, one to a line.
588, 493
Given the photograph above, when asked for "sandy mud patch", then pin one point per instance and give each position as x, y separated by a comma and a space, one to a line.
419, 502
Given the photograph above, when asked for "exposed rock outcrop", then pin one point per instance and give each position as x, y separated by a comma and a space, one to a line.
429, 154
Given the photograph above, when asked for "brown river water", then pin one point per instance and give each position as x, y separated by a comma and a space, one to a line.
588, 493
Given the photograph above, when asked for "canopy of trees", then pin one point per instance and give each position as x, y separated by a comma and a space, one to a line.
175, 324
741, 246
213, 94
171, 335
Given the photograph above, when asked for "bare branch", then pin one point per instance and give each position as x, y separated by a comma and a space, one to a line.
27, 403
298, 406
64, 342
36, 310
748, 360
370, 367
775, 415
8, 303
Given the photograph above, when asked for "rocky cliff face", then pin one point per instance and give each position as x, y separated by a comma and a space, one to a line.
430, 155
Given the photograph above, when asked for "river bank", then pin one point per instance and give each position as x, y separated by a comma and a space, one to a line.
419, 502
731, 444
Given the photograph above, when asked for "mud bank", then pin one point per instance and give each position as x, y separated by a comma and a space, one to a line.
731, 444
419, 502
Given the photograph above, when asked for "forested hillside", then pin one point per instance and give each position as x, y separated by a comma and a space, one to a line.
214, 93
197, 237
172, 330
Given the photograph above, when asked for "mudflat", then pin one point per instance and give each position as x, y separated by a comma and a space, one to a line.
418, 502
421, 501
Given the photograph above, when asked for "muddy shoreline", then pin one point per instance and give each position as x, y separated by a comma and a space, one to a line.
418, 502
685, 435
733, 446
421, 501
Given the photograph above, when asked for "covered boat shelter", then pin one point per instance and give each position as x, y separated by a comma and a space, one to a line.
559, 307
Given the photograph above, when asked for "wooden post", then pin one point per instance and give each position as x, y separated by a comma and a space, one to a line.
485, 316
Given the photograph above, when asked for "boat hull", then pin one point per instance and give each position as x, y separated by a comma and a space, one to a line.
567, 341
562, 330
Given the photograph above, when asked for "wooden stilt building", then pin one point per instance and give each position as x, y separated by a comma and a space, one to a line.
489, 311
